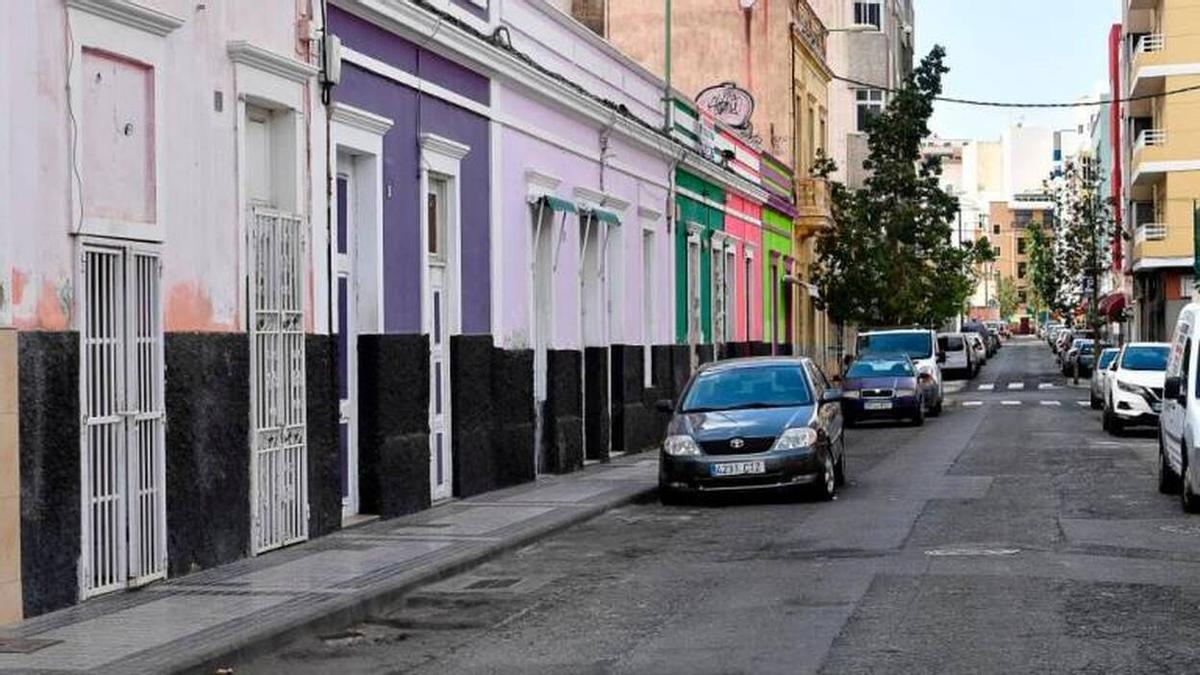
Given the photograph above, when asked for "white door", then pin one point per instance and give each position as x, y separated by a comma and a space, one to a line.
347, 339
718, 294
124, 534
440, 299
693, 294
543, 319
279, 451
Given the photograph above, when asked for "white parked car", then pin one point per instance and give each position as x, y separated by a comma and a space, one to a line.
1100, 376
1179, 428
958, 354
978, 349
1135, 385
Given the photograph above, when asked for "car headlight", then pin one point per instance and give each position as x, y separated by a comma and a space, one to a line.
794, 439
905, 392
1132, 388
681, 446
852, 393
925, 370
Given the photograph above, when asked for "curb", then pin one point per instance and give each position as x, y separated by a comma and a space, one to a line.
356, 608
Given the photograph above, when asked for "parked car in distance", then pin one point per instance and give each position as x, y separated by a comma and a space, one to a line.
920, 345
978, 349
1135, 385
879, 386
1100, 375
1080, 351
757, 423
959, 355
1179, 427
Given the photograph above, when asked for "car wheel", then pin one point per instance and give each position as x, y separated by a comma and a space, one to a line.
1187, 498
1106, 420
1168, 480
839, 468
919, 417
1115, 426
1096, 403
826, 486
669, 497
936, 409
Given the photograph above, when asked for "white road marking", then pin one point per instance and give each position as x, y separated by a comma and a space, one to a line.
1083, 403
1010, 403
987, 387
972, 404
1051, 402
970, 550
1047, 385
1016, 385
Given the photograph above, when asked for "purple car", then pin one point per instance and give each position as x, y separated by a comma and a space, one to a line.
882, 387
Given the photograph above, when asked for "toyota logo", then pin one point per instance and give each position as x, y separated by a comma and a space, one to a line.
736, 443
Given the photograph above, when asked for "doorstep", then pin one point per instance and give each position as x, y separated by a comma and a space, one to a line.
203, 621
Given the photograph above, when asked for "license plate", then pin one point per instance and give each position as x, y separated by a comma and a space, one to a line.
738, 468
878, 405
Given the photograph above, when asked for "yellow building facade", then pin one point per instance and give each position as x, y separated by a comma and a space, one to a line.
1162, 150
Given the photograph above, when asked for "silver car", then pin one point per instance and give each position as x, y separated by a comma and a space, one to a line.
1100, 374
978, 349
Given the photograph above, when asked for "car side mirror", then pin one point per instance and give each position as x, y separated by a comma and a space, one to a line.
1172, 389
665, 405
941, 357
831, 395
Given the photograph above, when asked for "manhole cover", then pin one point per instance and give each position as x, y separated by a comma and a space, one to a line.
492, 584
24, 646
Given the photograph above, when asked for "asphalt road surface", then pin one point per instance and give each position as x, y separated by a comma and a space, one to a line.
1010, 535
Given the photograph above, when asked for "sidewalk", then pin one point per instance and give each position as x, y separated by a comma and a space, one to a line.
197, 621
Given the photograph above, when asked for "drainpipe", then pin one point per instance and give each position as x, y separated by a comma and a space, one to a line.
669, 107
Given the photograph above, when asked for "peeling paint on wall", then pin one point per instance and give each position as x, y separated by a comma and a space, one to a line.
18, 286
189, 308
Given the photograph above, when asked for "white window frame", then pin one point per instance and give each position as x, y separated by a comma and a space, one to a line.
875, 100
136, 33
866, 7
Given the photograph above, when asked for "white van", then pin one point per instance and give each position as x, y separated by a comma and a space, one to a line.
921, 345
1179, 425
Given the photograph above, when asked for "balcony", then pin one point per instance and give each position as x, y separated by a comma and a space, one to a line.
813, 206
1148, 53
1150, 232
1142, 4
1149, 147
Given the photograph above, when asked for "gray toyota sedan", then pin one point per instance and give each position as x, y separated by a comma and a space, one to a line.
759, 423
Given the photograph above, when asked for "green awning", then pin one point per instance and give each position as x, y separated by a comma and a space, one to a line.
556, 204
604, 216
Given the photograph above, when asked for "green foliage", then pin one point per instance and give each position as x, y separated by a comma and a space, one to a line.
1006, 298
1083, 230
1045, 278
889, 259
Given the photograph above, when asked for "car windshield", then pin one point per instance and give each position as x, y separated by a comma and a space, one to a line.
765, 386
1145, 358
950, 343
880, 368
916, 344
1106, 357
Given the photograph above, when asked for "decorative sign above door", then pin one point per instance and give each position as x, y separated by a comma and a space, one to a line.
729, 103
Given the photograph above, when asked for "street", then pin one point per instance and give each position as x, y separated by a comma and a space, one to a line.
1009, 535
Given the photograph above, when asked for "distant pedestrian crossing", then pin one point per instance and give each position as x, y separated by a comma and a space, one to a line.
960, 386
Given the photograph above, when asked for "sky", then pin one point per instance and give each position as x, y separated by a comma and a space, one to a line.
1018, 51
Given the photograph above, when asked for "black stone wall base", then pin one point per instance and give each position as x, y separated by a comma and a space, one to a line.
471, 412
48, 396
324, 454
636, 423
393, 413
563, 420
705, 353
595, 403
681, 368
208, 449
512, 417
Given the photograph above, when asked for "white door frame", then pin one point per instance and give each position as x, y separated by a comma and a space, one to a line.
442, 158
133, 405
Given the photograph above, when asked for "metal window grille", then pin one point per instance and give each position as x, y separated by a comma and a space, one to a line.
279, 471
123, 468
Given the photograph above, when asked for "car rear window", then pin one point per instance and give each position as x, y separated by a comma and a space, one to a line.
880, 368
950, 343
1145, 358
767, 386
916, 344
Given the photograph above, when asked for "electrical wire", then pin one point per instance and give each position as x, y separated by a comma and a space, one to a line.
74, 121
1006, 104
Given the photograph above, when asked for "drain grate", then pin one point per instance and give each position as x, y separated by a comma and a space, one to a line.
492, 584
23, 646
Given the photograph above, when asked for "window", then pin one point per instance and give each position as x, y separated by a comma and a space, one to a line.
1022, 297
1021, 268
1021, 246
870, 104
996, 251
437, 217
995, 228
868, 12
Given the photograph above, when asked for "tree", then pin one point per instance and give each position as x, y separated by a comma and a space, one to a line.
1006, 297
1044, 276
889, 259
1083, 229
